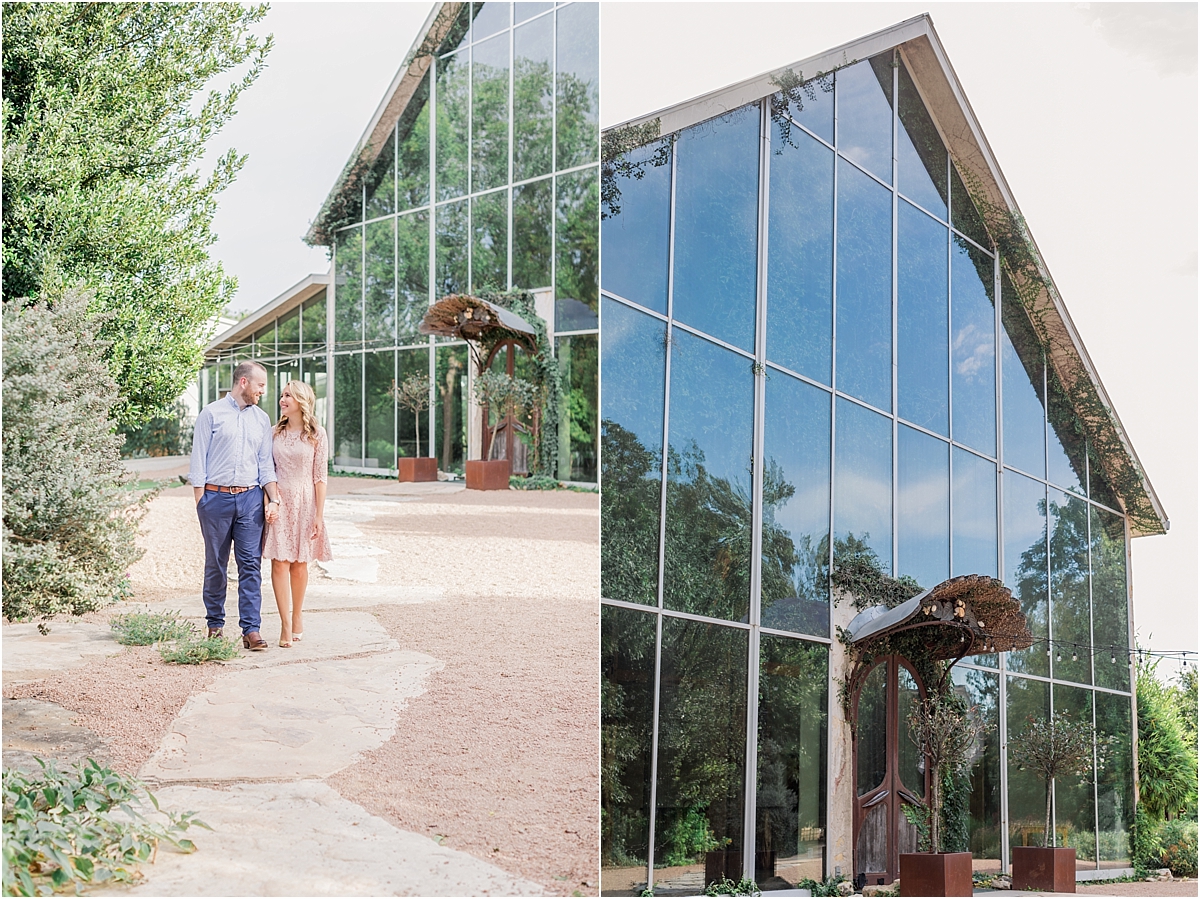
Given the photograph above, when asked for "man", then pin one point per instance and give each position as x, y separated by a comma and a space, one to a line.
231, 467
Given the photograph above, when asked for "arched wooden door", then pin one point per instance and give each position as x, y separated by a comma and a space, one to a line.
889, 769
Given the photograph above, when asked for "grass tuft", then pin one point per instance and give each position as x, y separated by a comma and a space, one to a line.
145, 628
195, 651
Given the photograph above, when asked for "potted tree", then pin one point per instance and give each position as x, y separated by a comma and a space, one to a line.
1054, 748
413, 395
507, 396
945, 730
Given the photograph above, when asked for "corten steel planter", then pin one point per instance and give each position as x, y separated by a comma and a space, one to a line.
491, 474
1045, 868
416, 468
935, 874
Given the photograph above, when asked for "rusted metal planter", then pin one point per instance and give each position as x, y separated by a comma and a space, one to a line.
416, 468
935, 874
491, 474
1044, 868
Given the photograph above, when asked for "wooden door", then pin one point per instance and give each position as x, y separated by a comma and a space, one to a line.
889, 769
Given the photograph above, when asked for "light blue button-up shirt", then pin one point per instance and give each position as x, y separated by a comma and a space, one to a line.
231, 446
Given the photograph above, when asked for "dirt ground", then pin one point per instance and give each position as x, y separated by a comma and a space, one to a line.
499, 757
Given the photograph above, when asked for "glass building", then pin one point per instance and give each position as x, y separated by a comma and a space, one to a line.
479, 172
820, 342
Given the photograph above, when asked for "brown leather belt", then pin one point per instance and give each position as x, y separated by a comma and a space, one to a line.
219, 488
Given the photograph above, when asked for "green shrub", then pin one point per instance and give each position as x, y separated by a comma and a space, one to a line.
1145, 846
145, 628
85, 825
727, 887
687, 837
1179, 848
533, 482
194, 651
164, 435
826, 887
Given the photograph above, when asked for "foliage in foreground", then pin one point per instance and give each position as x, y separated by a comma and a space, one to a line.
146, 628
826, 887
727, 887
1179, 848
163, 435
533, 482
85, 825
194, 651
70, 522
1166, 745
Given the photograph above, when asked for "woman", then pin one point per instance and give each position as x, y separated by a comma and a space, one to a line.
298, 535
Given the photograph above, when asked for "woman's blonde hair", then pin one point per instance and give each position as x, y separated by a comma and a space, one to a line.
304, 397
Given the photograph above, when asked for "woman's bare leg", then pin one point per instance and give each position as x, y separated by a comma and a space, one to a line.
299, 578
282, 587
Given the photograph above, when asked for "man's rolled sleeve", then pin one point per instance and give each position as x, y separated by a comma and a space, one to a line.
201, 438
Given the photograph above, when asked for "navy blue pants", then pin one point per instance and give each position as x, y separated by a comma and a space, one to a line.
238, 519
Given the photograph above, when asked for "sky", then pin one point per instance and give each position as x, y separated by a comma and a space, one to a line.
1090, 110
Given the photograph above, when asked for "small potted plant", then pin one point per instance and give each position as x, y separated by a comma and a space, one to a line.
413, 394
1053, 748
507, 396
945, 730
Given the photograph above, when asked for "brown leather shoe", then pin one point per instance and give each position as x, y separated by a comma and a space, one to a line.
254, 641
213, 632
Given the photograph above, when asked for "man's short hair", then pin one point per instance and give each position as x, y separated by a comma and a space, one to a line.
244, 369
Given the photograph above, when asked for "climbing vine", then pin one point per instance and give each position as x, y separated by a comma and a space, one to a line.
615, 149
793, 88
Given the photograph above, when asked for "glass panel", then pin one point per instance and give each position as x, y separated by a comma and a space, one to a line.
633, 366
862, 516
627, 733
348, 317
525, 11
533, 99
381, 411
578, 85
1023, 370
452, 413
264, 342
981, 691
288, 336
923, 516
412, 275
1110, 598
923, 321
1069, 588
313, 374
708, 480
974, 515
458, 35
716, 226
920, 158
347, 410
489, 113
792, 714
531, 235
800, 264
412, 185
813, 107
453, 98
864, 288
871, 746
381, 182
701, 747
489, 18
379, 323
412, 430
1098, 487
577, 432
636, 227
973, 344
1065, 439
489, 242
1025, 569
795, 527
315, 327
578, 252
1027, 793
1114, 780
911, 758
1074, 796
864, 119
963, 214
269, 402
451, 266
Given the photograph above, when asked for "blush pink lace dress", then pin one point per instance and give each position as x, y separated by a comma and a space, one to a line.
298, 466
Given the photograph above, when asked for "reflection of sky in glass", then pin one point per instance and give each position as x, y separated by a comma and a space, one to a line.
973, 344
974, 515
817, 112
1024, 427
923, 516
489, 18
633, 366
533, 98
1025, 536
863, 469
864, 288
865, 115
716, 227
920, 156
489, 122
634, 243
1069, 585
1110, 600
800, 266
922, 316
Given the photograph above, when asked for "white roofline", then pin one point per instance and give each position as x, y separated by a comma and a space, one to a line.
298, 293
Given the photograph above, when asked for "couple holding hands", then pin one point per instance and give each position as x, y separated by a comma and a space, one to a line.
237, 457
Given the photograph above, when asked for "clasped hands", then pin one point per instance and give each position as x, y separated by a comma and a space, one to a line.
272, 513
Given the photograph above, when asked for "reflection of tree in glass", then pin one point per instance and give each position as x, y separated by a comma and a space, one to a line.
629, 509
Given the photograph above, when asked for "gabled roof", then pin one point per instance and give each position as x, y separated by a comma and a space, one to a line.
294, 296
395, 101
927, 62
